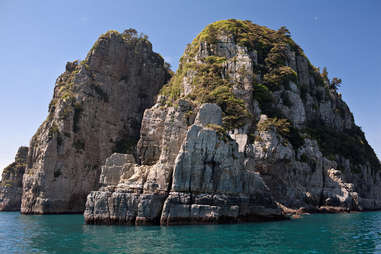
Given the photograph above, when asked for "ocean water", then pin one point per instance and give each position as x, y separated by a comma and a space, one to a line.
329, 233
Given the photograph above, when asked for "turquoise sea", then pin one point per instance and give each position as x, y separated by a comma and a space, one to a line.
328, 233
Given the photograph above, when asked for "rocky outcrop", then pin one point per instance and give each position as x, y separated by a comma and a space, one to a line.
247, 129
206, 182
309, 182
96, 110
11, 182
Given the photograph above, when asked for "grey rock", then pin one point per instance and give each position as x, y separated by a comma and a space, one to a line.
188, 165
192, 170
96, 110
209, 114
205, 183
11, 182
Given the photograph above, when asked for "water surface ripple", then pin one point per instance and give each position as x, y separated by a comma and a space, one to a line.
330, 233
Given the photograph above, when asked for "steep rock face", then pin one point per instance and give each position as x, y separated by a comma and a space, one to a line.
96, 110
309, 181
247, 126
11, 182
205, 183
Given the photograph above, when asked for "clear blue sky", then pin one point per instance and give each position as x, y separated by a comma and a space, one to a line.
39, 37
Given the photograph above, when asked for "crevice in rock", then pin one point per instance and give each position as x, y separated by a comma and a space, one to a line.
321, 201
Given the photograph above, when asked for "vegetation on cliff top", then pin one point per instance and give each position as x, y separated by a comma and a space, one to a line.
13, 169
246, 33
208, 85
209, 81
207, 77
206, 81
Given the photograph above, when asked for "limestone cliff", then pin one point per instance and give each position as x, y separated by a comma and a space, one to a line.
189, 174
246, 127
11, 182
96, 110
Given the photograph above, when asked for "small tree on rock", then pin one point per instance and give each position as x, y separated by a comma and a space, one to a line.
284, 31
335, 83
130, 33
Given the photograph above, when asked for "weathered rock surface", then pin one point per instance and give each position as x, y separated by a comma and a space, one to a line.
206, 183
247, 129
11, 182
96, 110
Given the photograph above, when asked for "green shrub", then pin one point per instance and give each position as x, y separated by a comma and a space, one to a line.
281, 125
279, 76
172, 90
335, 83
207, 75
247, 34
262, 94
349, 143
221, 132
208, 86
277, 56
284, 128
235, 114
214, 59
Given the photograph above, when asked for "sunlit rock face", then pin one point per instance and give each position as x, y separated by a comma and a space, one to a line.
97, 108
246, 130
198, 178
11, 182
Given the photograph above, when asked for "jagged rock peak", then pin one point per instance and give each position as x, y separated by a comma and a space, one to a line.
246, 128
11, 182
97, 108
249, 70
